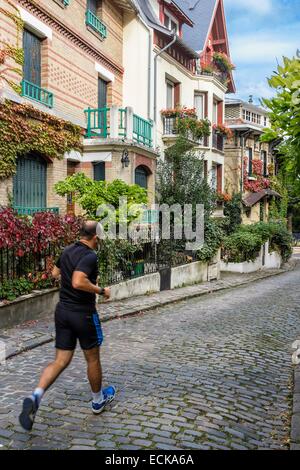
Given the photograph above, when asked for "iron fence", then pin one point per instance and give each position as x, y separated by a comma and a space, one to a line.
150, 258
13, 266
146, 258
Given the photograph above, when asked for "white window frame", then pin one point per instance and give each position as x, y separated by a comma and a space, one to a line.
214, 177
203, 105
215, 114
171, 18
170, 84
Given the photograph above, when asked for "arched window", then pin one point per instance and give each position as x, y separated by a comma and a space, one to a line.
141, 176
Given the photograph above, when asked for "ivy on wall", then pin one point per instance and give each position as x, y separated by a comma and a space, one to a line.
15, 52
25, 129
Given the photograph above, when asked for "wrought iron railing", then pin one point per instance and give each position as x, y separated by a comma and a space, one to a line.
36, 93
97, 122
170, 129
142, 131
94, 22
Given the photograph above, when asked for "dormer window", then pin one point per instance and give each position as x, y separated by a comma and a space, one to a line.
171, 23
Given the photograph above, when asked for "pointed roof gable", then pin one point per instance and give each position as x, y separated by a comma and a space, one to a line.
201, 13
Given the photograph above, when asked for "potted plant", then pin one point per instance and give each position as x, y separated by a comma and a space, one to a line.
180, 112
223, 130
208, 69
222, 62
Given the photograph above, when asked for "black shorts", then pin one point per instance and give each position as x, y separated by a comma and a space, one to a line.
71, 325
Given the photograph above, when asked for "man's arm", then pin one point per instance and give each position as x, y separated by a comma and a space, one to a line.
81, 281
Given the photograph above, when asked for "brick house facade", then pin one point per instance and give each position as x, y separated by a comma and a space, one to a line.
244, 153
77, 50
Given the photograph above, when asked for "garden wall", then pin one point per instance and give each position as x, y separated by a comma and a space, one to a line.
189, 274
134, 287
28, 307
40, 304
265, 260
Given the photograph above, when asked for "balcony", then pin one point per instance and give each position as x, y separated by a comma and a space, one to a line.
218, 141
118, 123
36, 93
170, 131
93, 22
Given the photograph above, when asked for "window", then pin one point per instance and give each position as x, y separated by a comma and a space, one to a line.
170, 95
215, 112
92, 5
102, 93
249, 154
265, 121
93, 15
30, 182
264, 158
63, 3
171, 23
141, 177
32, 58
199, 101
214, 179
99, 171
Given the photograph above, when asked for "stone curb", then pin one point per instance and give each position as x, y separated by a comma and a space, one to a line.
295, 423
32, 344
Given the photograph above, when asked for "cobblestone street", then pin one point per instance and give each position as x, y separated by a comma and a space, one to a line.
206, 373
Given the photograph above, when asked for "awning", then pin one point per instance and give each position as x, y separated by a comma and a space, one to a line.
254, 198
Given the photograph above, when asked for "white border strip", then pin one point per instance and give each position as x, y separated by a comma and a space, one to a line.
104, 73
35, 25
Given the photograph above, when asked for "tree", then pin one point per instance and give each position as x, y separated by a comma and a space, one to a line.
284, 113
90, 194
181, 180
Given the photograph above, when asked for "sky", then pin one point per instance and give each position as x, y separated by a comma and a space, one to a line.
260, 33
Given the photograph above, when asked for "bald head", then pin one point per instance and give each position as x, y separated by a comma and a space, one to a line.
88, 230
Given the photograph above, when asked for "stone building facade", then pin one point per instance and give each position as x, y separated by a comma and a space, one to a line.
249, 163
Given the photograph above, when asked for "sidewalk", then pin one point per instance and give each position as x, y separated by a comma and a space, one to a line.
34, 333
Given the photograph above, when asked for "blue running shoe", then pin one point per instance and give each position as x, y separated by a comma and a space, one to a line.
109, 394
27, 416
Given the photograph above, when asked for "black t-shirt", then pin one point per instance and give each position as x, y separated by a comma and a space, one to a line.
77, 257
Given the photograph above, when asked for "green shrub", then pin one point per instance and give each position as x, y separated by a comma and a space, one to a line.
233, 213
245, 243
241, 246
213, 236
282, 241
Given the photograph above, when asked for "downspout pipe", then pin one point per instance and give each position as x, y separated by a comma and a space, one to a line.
155, 74
149, 66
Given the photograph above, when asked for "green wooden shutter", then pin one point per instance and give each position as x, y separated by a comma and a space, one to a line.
99, 171
102, 93
32, 58
30, 182
92, 5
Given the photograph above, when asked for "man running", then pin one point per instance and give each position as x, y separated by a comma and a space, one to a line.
76, 317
